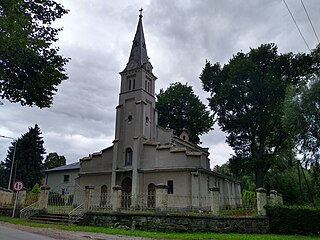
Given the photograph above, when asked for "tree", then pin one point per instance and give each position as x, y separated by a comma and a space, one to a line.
54, 160
28, 158
179, 108
302, 120
247, 96
30, 69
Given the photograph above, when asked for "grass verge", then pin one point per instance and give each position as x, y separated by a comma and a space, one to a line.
160, 235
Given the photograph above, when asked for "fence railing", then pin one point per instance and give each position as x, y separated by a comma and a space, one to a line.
140, 202
63, 199
30, 210
76, 214
79, 201
189, 203
238, 206
101, 202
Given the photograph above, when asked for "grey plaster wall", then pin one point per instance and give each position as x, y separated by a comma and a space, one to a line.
181, 181
55, 180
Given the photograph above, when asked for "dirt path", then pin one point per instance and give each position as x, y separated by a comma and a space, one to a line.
70, 235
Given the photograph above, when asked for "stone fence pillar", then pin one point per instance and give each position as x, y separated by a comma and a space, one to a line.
261, 201
43, 198
161, 197
276, 198
88, 197
116, 198
273, 197
215, 201
22, 198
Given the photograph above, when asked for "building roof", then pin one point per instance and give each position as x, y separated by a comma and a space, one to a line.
138, 54
71, 166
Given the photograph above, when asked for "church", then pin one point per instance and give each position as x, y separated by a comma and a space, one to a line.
144, 154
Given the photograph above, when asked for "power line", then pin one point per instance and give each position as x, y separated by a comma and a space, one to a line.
297, 25
315, 33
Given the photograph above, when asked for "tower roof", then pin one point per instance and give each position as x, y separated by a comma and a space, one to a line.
138, 55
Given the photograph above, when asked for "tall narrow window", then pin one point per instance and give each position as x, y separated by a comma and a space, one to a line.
129, 84
134, 84
170, 186
128, 160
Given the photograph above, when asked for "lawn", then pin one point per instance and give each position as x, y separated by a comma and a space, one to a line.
161, 235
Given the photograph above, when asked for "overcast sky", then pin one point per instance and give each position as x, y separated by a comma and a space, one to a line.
180, 36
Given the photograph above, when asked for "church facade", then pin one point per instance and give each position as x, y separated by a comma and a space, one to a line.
145, 154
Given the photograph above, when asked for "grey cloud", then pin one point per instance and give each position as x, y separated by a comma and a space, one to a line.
180, 35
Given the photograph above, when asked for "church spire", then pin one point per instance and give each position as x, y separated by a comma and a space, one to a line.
138, 55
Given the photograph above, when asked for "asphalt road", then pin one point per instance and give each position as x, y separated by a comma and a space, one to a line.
8, 233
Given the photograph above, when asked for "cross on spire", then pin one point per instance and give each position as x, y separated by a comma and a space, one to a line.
140, 12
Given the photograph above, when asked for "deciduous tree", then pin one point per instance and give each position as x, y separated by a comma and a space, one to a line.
179, 108
30, 67
54, 160
247, 96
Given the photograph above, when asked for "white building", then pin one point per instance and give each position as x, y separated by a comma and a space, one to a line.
144, 154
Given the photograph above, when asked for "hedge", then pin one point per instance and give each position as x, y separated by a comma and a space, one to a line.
300, 220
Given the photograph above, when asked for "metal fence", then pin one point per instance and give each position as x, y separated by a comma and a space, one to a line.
189, 203
141, 202
101, 202
63, 199
176, 203
238, 206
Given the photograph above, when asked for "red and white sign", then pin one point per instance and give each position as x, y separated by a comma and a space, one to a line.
18, 185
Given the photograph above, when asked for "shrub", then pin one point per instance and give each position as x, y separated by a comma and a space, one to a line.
301, 220
36, 188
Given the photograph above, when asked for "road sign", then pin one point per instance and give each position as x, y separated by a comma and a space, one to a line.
18, 185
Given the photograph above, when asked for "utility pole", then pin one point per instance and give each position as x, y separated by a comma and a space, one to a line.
13, 158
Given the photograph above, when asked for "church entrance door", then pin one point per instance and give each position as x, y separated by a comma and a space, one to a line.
126, 193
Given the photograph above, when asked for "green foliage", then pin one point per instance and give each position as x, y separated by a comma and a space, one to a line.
30, 69
28, 158
54, 160
247, 98
223, 169
36, 188
179, 108
286, 181
294, 220
248, 198
302, 114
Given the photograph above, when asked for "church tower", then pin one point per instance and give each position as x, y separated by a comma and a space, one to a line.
136, 116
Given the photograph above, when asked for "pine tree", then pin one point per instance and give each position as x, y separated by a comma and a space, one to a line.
28, 158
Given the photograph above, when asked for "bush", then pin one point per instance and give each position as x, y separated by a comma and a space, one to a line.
301, 220
36, 188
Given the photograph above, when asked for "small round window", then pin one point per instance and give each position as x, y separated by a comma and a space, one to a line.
130, 118
147, 119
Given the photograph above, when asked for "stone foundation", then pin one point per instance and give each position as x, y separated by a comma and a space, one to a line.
179, 223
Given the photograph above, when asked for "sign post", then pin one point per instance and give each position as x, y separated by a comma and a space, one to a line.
17, 187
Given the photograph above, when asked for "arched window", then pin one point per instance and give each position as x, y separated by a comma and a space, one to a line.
103, 196
128, 160
151, 196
